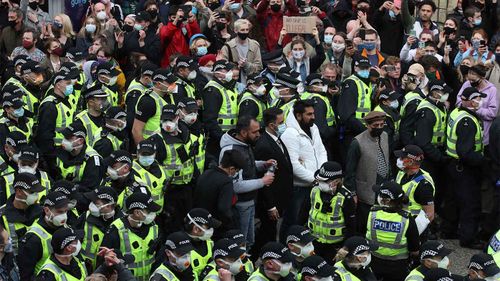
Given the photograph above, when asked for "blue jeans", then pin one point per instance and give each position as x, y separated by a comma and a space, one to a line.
296, 213
246, 211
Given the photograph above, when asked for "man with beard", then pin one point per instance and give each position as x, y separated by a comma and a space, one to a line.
246, 182
307, 153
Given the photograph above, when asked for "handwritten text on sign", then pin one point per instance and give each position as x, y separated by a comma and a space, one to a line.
299, 24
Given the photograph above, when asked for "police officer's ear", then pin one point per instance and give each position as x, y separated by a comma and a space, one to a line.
220, 264
308, 278
405, 200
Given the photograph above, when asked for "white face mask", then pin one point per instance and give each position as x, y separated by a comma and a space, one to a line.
78, 248
183, 262
444, 263
15, 157
444, 98
260, 91
400, 164
146, 161
169, 126
112, 81
72, 204
367, 261
493, 278
207, 233
307, 250
31, 198
192, 75
149, 218
27, 169
394, 104
69, 145
298, 54
113, 174
190, 118
285, 268
58, 220
338, 47
96, 210
229, 76
324, 187
234, 267
101, 15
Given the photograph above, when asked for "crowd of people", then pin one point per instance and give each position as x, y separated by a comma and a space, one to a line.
199, 140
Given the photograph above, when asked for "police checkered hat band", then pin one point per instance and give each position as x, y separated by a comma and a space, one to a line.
359, 249
106, 196
427, 254
20, 61
388, 193
77, 133
308, 270
98, 93
137, 205
445, 279
316, 81
67, 241
147, 72
270, 255
24, 185
160, 77
182, 64
199, 220
12, 101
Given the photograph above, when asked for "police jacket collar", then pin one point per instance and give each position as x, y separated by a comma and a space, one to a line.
181, 137
26, 216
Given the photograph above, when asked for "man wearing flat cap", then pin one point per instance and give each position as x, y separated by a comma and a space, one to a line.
368, 164
464, 144
55, 114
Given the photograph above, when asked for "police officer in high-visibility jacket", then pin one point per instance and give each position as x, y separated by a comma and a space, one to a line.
112, 136
16, 78
394, 230
35, 247
188, 113
147, 170
227, 262
494, 247
136, 235
254, 100
176, 152
239, 238
300, 243
107, 75
102, 211
14, 142
32, 75
464, 144
388, 103
315, 268
64, 262
277, 263
332, 217
220, 104
119, 175
177, 264
71, 191
199, 225
76, 161
148, 109
417, 184
56, 113
433, 254
430, 133
13, 117
185, 70
92, 118
352, 262
483, 267
22, 207
287, 85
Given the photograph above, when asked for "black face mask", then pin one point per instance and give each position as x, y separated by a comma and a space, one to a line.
213, 6
220, 26
33, 5
242, 36
464, 69
376, 132
127, 28
153, 13
275, 7
475, 83
12, 23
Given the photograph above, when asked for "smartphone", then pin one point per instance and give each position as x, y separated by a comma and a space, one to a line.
482, 43
413, 33
421, 44
389, 68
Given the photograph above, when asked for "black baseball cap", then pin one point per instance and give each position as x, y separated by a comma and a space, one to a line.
168, 112
471, 93
439, 85
148, 68
31, 67
329, 171
275, 56
68, 188
389, 189
236, 235
314, 78
410, 151
300, 234
202, 217
286, 80
226, 247
361, 61
356, 245
143, 201
143, 16
164, 75
121, 156
255, 78
433, 248
388, 94
108, 69
16, 139
484, 262
189, 104
179, 242
316, 266
21, 59
102, 193
56, 199
95, 91
222, 65
75, 54
28, 182
438, 274
64, 236
75, 129
12, 100
276, 250
188, 62
71, 68
62, 75
115, 112
29, 153
147, 147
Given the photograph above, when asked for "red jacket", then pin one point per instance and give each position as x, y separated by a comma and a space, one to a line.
174, 41
273, 22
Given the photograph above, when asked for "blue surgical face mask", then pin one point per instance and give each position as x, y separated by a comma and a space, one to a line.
146, 161
194, 10
369, 46
477, 22
235, 6
69, 90
201, 51
281, 129
138, 27
328, 39
394, 104
365, 73
18, 112
392, 14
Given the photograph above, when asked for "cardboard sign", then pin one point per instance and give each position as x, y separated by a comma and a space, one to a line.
299, 24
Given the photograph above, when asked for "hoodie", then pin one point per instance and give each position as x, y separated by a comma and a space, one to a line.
306, 154
246, 182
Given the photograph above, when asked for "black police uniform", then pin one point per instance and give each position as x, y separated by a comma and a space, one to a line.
186, 275
249, 107
14, 215
104, 146
22, 124
363, 273
408, 121
72, 268
424, 192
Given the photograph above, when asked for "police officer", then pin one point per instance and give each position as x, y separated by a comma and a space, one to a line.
437, 274
332, 217
352, 261
394, 230
13, 118
76, 161
188, 114
277, 263
75, 63
137, 87
35, 247
112, 135
15, 80
64, 263
185, 70
148, 109
27, 163
315, 268
92, 118
286, 85
254, 100
388, 104
102, 211
119, 175
494, 247
317, 90
56, 113
14, 142
300, 243
220, 102
21, 208
239, 238
199, 226
176, 153
227, 256
413, 96
355, 101
482, 266
136, 235
417, 184
433, 254
464, 136
177, 265
148, 171
107, 75
32, 75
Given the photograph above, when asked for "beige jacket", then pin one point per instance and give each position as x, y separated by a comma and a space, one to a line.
253, 59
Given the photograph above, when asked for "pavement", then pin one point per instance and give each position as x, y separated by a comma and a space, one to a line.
460, 257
